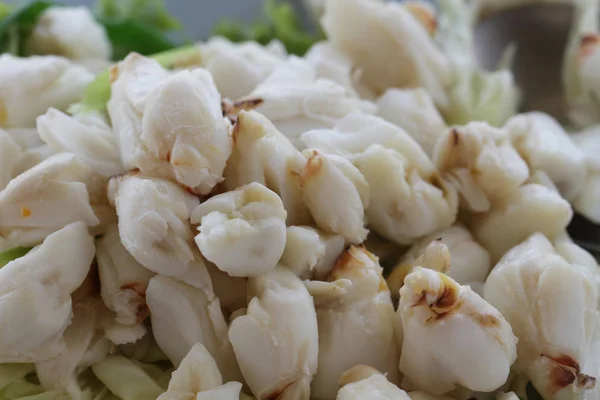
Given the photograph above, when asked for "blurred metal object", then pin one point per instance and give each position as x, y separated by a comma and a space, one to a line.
540, 33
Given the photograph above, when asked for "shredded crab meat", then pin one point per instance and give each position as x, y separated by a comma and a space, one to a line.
355, 214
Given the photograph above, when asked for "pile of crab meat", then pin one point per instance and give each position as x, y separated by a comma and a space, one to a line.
373, 220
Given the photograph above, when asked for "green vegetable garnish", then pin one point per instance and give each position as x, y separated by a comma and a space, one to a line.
13, 372
97, 93
130, 35
17, 24
231, 30
12, 254
152, 13
136, 25
126, 379
22, 389
5, 9
280, 22
131, 25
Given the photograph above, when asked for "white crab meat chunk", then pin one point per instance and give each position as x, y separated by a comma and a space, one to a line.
546, 146
468, 262
336, 194
482, 161
295, 99
154, 226
310, 253
123, 281
401, 40
365, 382
170, 126
588, 200
237, 68
353, 306
35, 292
407, 199
198, 378
280, 329
60, 190
31, 85
263, 154
478, 348
182, 316
531, 208
72, 32
88, 136
243, 231
85, 344
413, 110
552, 306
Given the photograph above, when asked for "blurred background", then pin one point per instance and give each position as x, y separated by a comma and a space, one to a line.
200, 16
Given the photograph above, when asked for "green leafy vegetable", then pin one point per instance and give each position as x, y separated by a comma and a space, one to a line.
280, 22
17, 24
12, 254
232, 30
49, 395
136, 25
21, 388
126, 379
131, 25
161, 374
5, 9
10, 373
20, 382
153, 13
97, 93
133, 36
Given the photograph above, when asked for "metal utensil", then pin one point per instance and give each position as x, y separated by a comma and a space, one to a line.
540, 33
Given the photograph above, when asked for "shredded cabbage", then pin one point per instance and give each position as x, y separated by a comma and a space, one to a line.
8, 256
126, 379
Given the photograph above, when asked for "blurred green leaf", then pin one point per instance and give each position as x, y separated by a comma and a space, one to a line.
5, 9
26, 14
12, 254
107, 9
280, 22
131, 25
17, 23
136, 26
231, 30
13, 41
152, 13
282, 16
133, 36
